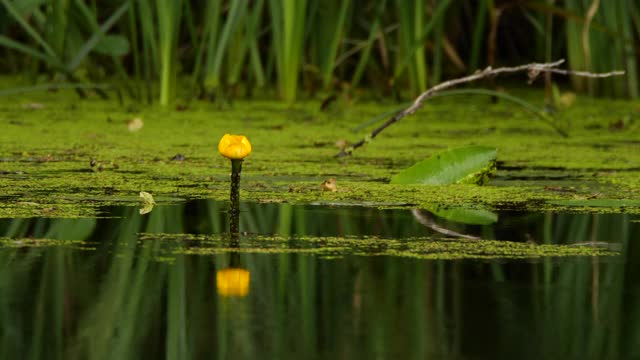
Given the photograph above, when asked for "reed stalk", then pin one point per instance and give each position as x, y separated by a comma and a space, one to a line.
169, 18
288, 21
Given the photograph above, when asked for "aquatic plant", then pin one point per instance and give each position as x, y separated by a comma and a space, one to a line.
234, 148
464, 165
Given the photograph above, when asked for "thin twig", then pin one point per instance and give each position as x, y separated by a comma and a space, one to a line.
533, 71
427, 221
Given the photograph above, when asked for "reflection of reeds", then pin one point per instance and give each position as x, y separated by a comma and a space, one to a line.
118, 302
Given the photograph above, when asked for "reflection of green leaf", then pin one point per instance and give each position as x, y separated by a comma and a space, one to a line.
474, 216
146, 208
465, 165
147, 202
613, 203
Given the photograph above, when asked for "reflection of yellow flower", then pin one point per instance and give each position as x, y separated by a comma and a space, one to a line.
232, 282
234, 147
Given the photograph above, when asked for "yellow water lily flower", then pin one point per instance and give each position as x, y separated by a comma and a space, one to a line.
234, 147
233, 282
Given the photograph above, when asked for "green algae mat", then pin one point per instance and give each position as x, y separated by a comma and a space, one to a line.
61, 157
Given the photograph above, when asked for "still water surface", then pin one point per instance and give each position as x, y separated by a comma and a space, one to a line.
171, 284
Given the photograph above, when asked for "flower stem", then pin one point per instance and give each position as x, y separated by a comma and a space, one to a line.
234, 212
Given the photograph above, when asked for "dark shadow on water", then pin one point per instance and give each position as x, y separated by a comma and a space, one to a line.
104, 289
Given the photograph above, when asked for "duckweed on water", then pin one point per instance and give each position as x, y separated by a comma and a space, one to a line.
34, 243
46, 155
330, 247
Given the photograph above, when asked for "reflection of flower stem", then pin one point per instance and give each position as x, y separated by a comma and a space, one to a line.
234, 212
234, 257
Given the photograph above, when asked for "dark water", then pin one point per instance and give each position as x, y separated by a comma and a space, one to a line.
124, 292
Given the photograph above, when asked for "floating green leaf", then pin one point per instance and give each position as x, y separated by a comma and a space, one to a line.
465, 165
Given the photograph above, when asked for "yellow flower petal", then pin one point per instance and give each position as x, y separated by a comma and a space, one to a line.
234, 146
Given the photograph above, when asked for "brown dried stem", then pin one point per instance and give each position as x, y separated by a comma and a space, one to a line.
533, 71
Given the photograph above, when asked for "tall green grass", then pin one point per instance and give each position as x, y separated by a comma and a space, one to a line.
169, 18
604, 40
59, 42
221, 48
287, 36
327, 28
228, 46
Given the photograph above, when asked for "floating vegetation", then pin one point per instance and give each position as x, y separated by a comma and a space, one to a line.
6, 242
330, 247
56, 178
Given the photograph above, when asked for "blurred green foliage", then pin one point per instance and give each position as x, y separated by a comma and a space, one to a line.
291, 48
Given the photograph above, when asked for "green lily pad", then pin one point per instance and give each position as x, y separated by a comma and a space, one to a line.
464, 165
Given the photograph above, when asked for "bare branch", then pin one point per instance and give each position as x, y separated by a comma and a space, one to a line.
427, 221
533, 70
586, 73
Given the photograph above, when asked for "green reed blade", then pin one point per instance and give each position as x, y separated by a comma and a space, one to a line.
330, 33
479, 25
30, 30
438, 34
415, 35
169, 17
135, 51
57, 27
216, 55
629, 56
253, 35
149, 35
288, 20
237, 14
366, 51
420, 62
575, 55
96, 37
191, 24
12, 44
149, 41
